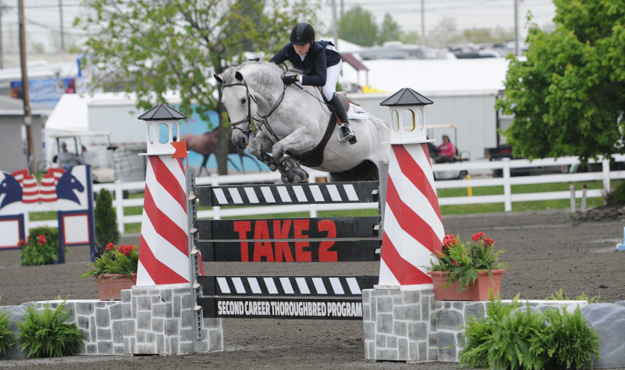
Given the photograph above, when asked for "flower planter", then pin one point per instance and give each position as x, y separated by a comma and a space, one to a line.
477, 291
110, 286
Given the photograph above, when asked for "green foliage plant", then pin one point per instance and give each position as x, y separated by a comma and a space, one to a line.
619, 194
358, 25
121, 261
568, 96
41, 247
560, 296
514, 339
462, 261
7, 338
48, 333
106, 230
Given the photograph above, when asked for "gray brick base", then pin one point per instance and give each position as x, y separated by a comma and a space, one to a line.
411, 326
399, 325
154, 320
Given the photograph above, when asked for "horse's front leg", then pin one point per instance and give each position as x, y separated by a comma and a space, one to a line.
298, 141
258, 147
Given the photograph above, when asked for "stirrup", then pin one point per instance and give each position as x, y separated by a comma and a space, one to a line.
350, 136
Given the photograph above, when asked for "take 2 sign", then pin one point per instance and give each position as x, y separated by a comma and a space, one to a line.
338, 239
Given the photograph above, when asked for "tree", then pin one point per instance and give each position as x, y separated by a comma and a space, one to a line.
444, 33
358, 25
410, 37
106, 230
389, 30
568, 98
151, 47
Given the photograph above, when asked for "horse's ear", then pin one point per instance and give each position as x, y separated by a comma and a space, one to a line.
238, 76
218, 78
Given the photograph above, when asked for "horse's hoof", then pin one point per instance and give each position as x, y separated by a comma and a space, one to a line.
353, 141
299, 174
272, 166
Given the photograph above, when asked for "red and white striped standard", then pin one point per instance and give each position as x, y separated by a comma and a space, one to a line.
413, 227
164, 248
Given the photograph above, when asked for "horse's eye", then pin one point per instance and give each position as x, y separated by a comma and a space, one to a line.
243, 100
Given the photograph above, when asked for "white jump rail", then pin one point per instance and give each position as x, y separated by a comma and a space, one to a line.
506, 181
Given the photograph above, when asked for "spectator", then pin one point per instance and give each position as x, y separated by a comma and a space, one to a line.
446, 151
68, 160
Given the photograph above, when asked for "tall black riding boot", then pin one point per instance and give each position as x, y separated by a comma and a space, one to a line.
345, 132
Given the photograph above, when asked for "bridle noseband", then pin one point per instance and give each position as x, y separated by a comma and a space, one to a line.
262, 122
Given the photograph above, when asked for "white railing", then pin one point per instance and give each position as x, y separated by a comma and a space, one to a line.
484, 167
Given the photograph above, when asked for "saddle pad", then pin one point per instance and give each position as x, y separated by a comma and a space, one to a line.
355, 112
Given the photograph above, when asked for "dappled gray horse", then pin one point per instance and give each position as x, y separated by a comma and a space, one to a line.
290, 123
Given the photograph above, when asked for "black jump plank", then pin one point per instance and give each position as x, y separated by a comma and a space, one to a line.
277, 194
284, 286
291, 251
329, 228
294, 308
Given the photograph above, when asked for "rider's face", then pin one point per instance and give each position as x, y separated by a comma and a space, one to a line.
302, 49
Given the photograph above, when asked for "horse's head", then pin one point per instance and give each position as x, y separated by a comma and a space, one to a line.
66, 186
240, 103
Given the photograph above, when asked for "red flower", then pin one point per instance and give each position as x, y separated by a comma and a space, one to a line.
42, 239
456, 263
28, 237
110, 246
488, 242
478, 236
21, 242
448, 241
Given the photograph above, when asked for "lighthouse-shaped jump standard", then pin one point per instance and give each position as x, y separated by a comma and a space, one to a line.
164, 249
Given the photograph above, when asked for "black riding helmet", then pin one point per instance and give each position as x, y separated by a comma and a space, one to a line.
302, 34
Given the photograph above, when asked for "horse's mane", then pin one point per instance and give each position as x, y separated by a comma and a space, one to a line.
262, 72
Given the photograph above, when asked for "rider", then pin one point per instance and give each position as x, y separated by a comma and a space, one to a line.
321, 65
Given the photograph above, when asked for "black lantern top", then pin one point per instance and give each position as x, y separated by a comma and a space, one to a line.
162, 112
406, 96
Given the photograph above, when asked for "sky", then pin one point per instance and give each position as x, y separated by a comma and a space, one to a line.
43, 16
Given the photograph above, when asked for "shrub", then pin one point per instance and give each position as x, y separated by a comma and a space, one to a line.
106, 230
47, 334
512, 339
41, 247
560, 296
618, 197
7, 338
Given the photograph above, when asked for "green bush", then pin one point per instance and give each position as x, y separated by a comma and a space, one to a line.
106, 230
7, 338
47, 334
41, 248
618, 197
528, 340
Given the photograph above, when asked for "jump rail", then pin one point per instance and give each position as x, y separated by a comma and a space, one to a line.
332, 239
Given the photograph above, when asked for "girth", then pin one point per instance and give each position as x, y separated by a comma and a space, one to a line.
314, 157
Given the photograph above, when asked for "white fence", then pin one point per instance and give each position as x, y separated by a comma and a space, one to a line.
485, 168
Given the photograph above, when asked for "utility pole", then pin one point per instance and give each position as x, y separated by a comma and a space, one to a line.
25, 95
422, 22
1, 54
335, 30
61, 17
516, 28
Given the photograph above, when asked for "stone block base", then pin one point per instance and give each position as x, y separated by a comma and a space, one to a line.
399, 325
160, 320
450, 316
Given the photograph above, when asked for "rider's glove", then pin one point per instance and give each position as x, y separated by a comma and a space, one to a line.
289, 79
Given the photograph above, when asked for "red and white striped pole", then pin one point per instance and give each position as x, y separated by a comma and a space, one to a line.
164, 248
413, 228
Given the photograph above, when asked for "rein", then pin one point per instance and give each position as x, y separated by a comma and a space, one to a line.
263, 119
